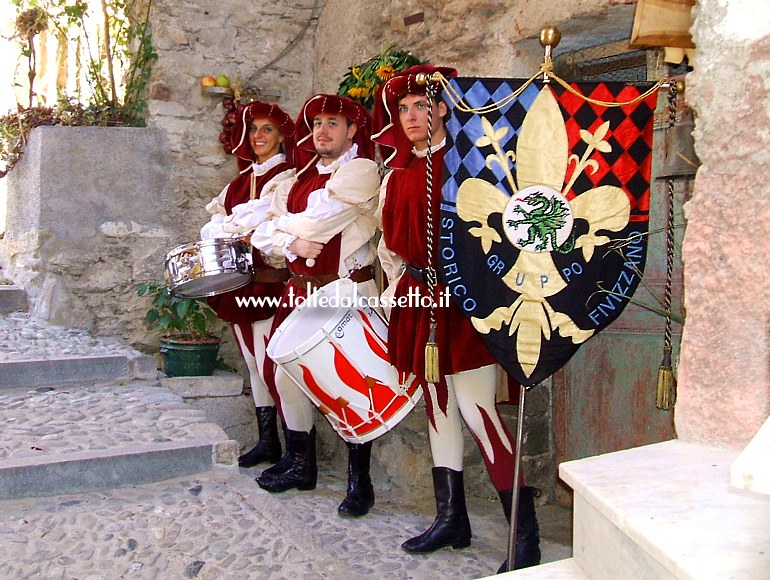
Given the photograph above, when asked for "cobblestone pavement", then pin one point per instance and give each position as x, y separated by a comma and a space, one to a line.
58, 421
22, 338
219, 524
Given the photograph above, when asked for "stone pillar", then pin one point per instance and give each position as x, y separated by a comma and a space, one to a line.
724, 375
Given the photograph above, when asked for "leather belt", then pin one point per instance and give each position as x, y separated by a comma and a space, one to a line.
302, 280
271, 275
423, 275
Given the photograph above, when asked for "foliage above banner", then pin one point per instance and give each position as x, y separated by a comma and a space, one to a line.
361, 81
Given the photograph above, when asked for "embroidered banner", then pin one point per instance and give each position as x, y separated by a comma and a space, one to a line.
544, 213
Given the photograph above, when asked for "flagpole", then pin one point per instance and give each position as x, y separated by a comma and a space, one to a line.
516, 476
550, 36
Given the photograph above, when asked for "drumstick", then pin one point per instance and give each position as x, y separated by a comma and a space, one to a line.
310, 262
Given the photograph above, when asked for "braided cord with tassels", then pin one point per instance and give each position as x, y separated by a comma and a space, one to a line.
432, 374
665, 397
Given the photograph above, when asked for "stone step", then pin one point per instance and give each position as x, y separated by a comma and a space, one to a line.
666, 511
75, 370
566, 569
92, 437
12, 299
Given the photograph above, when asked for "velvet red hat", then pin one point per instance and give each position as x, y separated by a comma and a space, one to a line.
395, 146
332, 105
241, 147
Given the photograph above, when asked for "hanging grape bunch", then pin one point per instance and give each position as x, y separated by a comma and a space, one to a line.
232, 109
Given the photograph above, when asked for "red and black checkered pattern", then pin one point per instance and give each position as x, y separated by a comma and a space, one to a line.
628, 165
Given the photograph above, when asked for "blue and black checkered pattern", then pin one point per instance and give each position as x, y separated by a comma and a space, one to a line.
463, 159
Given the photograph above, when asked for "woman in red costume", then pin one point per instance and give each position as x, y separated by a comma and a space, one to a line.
264, 144
467, 370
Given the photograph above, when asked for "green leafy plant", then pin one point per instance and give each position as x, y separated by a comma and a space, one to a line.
361, 82
171, 316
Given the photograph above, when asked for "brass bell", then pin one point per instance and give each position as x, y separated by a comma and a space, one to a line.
680, 159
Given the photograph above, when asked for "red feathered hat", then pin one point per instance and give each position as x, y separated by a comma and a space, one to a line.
332, 105
395, 146
241, 147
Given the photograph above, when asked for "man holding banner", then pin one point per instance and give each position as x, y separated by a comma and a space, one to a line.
461, 384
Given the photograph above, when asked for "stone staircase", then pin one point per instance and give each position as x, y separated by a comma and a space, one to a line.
664, 511
79, 413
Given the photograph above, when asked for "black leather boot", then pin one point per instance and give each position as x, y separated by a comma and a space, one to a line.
451, 526
360, 495
527, 530
297, 468
268, 449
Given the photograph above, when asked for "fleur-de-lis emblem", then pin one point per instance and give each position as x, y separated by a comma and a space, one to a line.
538, 218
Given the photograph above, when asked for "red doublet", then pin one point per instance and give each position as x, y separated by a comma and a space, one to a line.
225, 305
328, 260
404, 225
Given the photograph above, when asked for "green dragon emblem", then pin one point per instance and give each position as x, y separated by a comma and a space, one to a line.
545, 219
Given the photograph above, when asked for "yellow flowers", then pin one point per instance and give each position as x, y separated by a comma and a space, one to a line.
386, 72
362, 81
367, 90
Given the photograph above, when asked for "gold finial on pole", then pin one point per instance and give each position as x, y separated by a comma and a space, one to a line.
550, 36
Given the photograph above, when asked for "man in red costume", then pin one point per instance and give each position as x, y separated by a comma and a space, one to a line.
263, 141
323, 225
467, 370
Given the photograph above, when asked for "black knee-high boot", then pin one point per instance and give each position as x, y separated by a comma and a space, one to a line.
527, 530
451, 526
297, 468
360, 496
268, 449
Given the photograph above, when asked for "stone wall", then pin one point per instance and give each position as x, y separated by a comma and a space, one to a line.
478, 37
724, 377
83, 226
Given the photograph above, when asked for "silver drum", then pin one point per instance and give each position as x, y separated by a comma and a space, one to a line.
208, 267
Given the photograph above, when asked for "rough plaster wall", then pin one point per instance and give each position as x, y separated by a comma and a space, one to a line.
478, 37
236, 38
724, 385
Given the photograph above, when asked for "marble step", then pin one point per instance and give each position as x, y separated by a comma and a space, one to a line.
566, 569
666, 511
93, 437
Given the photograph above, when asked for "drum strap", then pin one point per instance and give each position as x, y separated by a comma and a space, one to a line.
361, 275
270, 275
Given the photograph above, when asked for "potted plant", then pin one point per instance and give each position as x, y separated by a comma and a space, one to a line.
187, 346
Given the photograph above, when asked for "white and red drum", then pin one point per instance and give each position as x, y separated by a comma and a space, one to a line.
335, 350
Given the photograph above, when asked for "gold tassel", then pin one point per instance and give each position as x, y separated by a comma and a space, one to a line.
431, 356
666, 394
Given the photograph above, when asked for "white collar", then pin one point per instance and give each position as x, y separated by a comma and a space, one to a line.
349, 155
262, 168
433, 149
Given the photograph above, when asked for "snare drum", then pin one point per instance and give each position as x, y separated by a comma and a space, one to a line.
208, 267
335, 350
